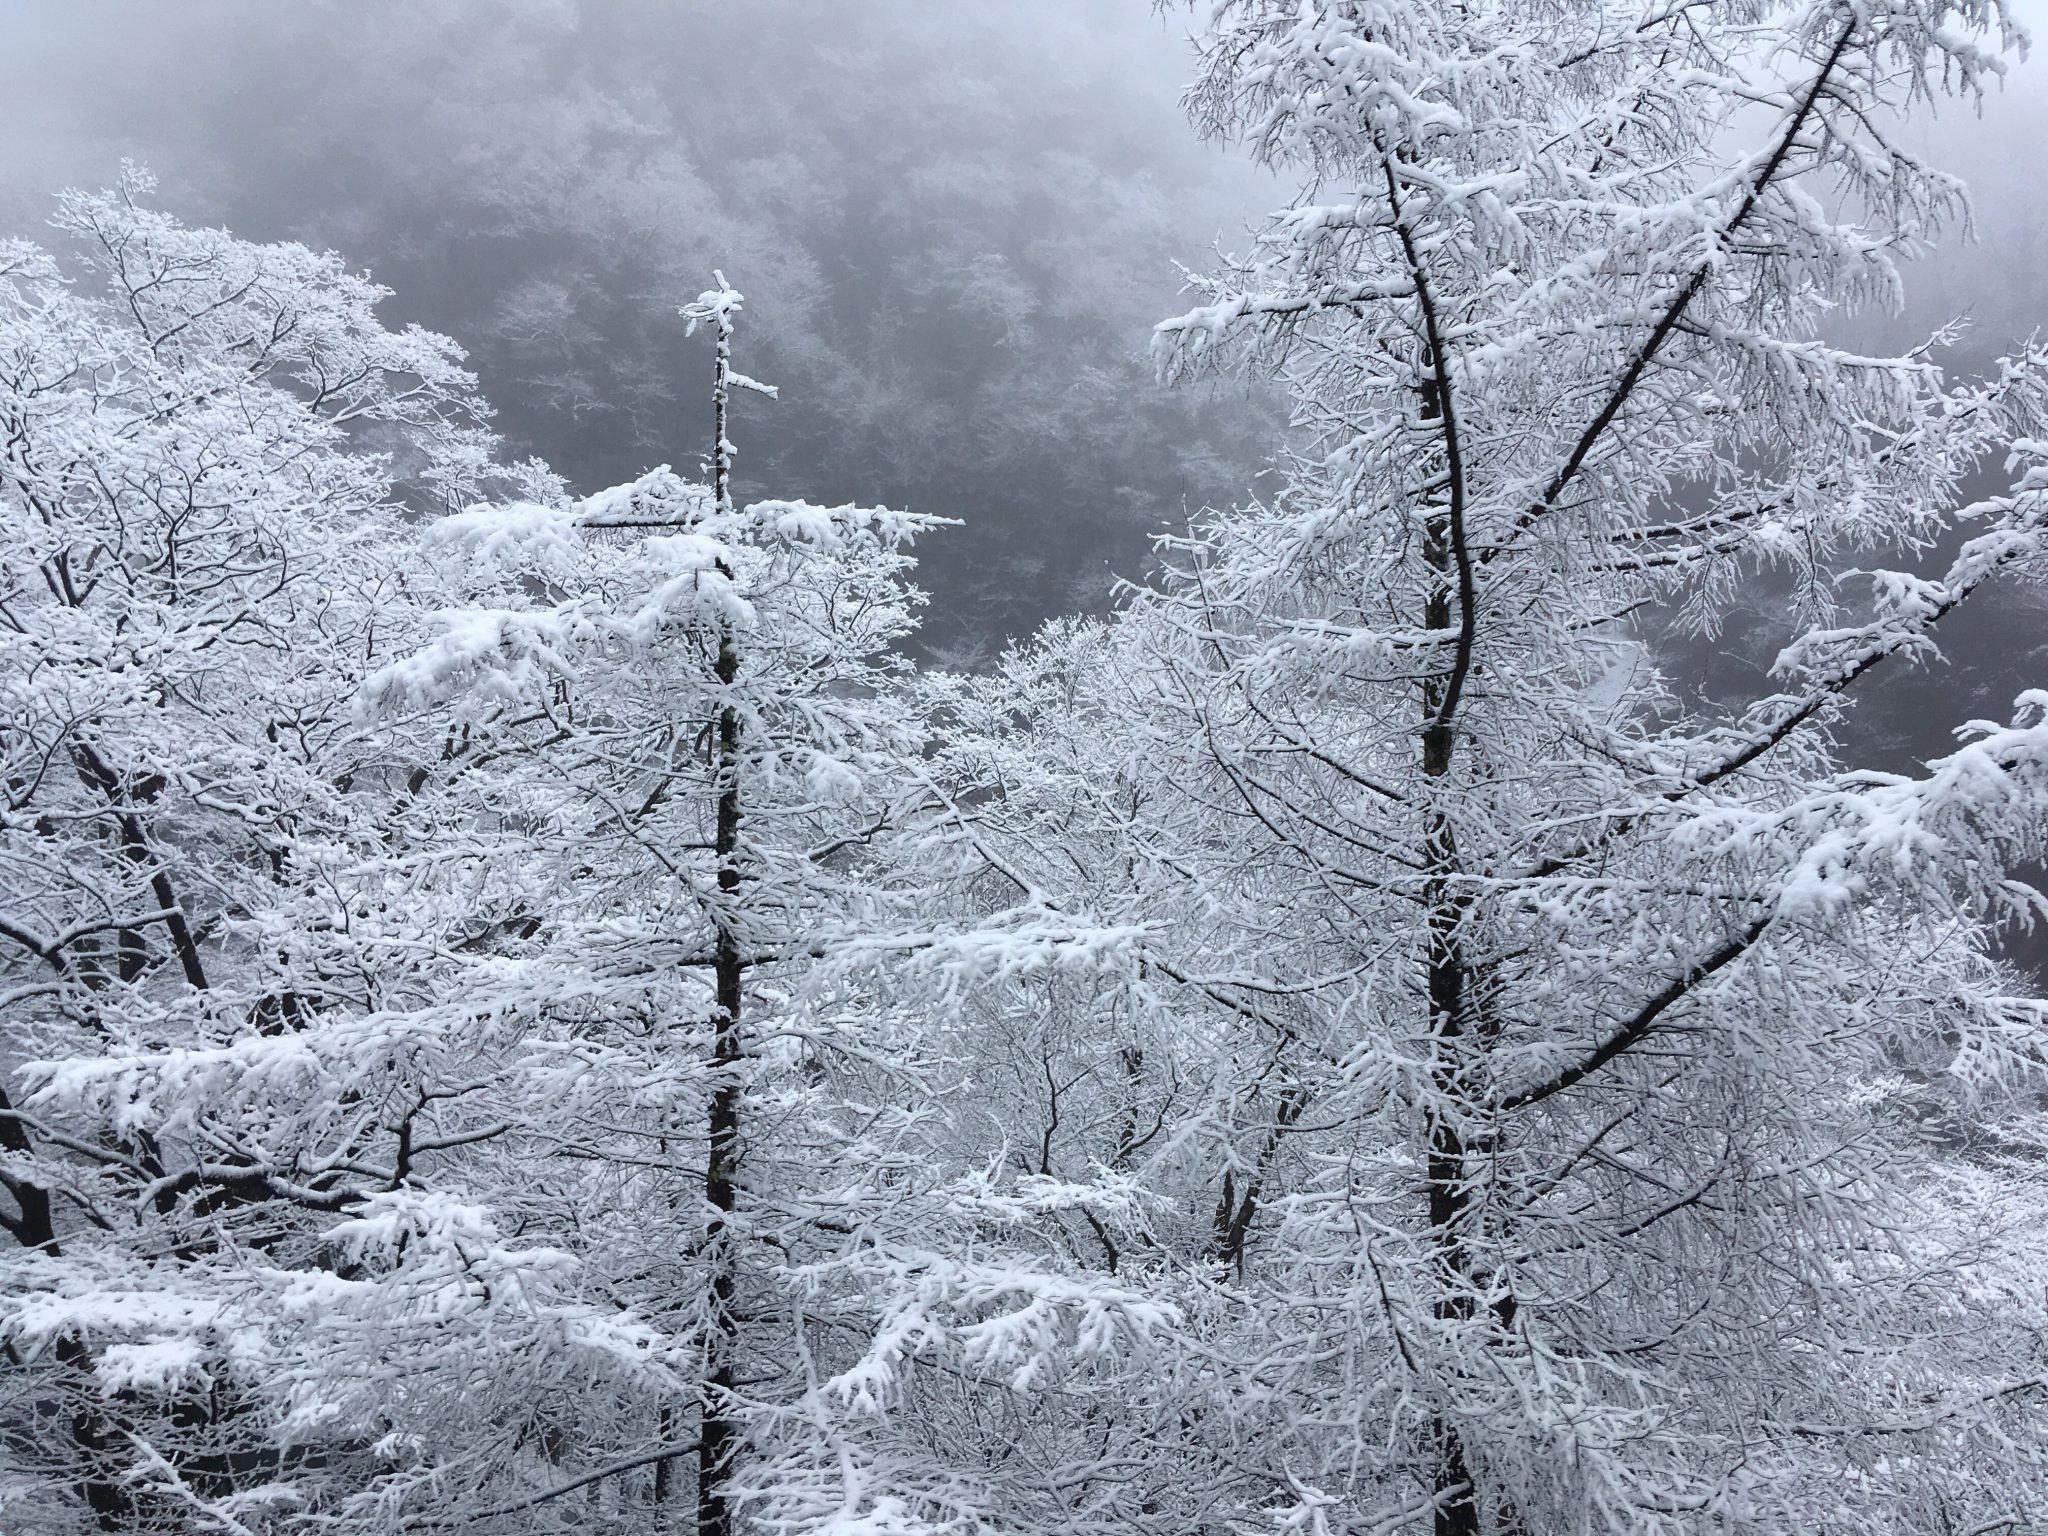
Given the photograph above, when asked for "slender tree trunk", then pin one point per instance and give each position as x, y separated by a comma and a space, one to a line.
1449, 1195
714, 1452
718, 1431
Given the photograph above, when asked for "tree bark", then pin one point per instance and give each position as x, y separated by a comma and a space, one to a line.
718, 1431
1449, 1196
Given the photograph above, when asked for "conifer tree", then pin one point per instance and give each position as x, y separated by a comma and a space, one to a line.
1600, 1024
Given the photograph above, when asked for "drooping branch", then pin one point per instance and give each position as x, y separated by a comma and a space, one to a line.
1639, 1024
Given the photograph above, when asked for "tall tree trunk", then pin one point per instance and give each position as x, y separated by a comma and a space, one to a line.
714, 1451
1449, 1195
718, 1430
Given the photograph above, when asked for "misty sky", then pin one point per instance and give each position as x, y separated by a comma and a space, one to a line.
955, 221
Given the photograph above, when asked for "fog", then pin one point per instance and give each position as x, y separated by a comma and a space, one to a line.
954, 222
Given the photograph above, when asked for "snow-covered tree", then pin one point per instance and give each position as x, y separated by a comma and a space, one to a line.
460, 1072
1631, 1125
676, 711
209, 447
517, 1015
679, 720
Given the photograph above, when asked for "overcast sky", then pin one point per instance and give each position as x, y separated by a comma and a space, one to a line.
955, 221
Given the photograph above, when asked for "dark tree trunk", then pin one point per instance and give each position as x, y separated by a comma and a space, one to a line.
718, 1430
1449, 1194
714, 1451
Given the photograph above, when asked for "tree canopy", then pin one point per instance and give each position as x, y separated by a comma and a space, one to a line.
524, 1011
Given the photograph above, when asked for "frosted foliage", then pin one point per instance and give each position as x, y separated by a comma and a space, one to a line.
1622, 1121
520, 1012
372, 900
218, 918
